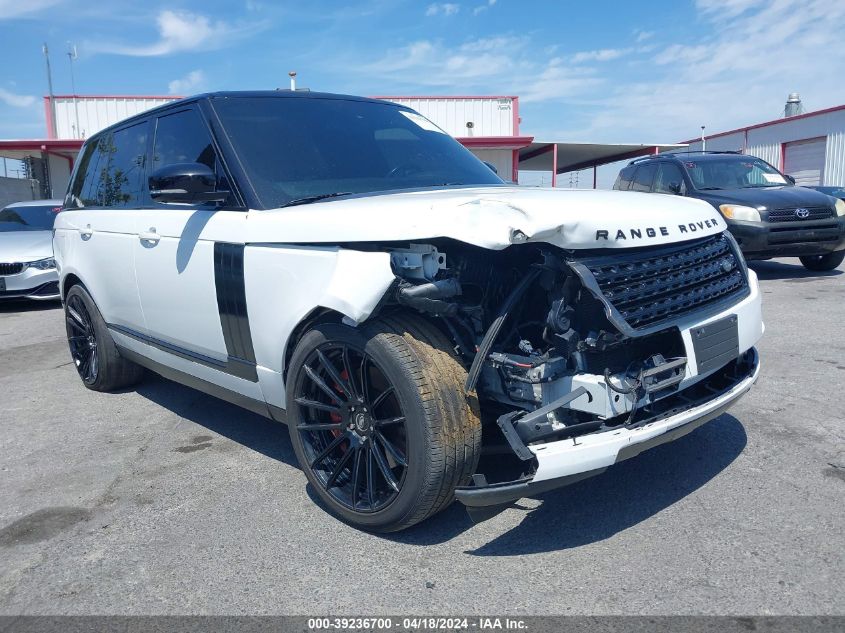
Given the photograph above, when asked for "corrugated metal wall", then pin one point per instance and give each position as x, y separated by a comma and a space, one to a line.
98, 113
489, 116
765, 142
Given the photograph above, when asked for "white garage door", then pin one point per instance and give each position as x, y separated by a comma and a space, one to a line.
804, 161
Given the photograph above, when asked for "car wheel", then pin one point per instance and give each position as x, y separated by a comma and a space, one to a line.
823, 262
380, 421
99, 364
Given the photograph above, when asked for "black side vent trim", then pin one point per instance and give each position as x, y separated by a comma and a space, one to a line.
231, 301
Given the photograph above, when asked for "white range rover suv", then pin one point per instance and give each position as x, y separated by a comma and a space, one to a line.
426, 331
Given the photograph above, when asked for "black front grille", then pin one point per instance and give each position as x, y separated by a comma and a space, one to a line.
800, 214
657, 285
10, 269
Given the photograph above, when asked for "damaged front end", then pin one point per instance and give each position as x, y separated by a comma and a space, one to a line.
581, 359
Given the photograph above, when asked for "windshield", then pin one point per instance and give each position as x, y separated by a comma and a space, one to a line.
733, 173
294, 148
34, 218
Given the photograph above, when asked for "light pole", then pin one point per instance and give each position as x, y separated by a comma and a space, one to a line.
72, 55
703, 140
50, 91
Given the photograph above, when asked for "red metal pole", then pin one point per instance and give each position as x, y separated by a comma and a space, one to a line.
554, 165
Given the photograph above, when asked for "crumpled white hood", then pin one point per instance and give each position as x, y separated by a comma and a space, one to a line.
494, 218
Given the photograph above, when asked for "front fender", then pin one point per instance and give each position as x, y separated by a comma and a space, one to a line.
286, 283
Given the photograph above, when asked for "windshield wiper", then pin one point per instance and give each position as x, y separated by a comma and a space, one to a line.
309, 199
710, 188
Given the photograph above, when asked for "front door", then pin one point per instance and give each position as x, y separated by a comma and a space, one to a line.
189, 267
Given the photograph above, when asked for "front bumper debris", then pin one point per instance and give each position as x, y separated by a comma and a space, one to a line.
573, 459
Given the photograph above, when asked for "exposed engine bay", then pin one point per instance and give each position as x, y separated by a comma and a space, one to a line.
560, 344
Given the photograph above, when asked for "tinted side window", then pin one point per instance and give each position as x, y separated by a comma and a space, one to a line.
669, 179
84, 178
183, 138
111, 171
623, 181
644, 177
122, 172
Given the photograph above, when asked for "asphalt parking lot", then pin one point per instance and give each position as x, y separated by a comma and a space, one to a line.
163, 500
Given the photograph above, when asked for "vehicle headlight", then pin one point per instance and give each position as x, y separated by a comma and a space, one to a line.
840, 206
739, 212
43, 264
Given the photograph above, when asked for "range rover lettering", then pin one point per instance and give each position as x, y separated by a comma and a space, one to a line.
427, 332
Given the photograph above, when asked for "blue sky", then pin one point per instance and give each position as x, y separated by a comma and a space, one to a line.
648, 71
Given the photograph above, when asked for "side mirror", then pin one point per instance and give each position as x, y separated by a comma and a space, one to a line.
186, 183
789, 179
675, 187
491, 166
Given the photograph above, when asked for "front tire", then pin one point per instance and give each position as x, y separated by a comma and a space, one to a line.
380, 422
99, 364
821, 263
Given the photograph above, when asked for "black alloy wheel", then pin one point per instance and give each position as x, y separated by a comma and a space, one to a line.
82, 339
352, 427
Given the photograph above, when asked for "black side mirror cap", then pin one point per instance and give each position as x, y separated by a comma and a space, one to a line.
186, 183
789, 179
491, 166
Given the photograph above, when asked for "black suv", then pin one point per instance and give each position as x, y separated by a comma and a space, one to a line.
767, 214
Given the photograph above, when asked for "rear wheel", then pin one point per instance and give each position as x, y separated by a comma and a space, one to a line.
823, 262
380, 422
99, 364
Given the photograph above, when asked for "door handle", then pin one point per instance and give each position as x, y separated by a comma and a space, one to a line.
86, 233
150, 237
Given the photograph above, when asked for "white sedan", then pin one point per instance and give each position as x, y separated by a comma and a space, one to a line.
27, 267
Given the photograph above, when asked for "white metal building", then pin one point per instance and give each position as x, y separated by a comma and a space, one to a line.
810, 146
78, 117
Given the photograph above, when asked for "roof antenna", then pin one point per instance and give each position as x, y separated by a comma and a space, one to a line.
292, 75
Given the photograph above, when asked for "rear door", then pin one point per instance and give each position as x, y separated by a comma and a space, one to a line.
643, 177
669, 179
189, 264
623, 181
98, 240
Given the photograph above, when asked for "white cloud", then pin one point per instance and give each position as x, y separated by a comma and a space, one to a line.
681, 53
483, 7
444, 8
191, 83
603, 55
726, 9
10, 9
180, 31
16, 100
499, 65
642, 36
